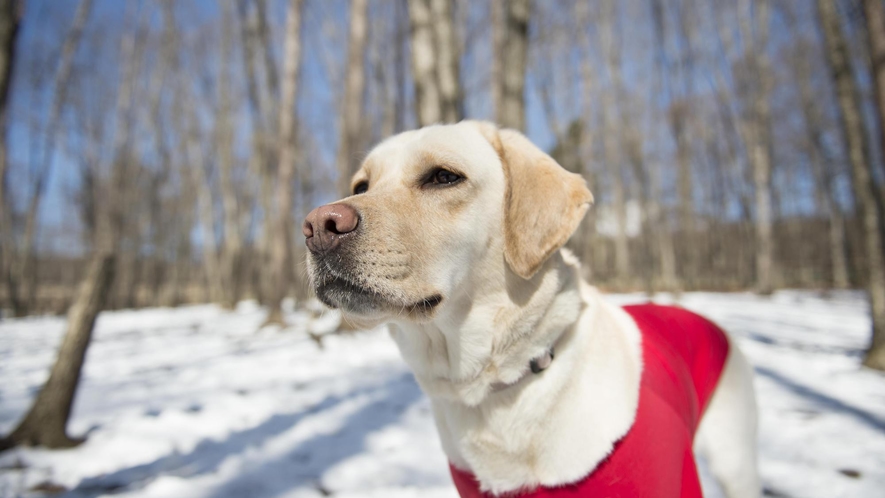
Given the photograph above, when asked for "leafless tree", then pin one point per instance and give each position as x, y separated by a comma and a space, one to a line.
435, 61
824, 165
281, 239
45, 423
874, 13
10, 16
658, 222
725, 140
20, 258
351, 135
261, 87
865, 190
448, 53
232, 253
756, 130
613, 148
510, 28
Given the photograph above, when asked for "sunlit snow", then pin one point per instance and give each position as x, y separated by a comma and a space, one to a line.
197, 402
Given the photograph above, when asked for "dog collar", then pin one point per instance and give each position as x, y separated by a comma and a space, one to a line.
541, 363
537, 365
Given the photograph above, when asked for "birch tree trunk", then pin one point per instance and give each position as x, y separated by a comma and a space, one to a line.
854, 136
511, 40
281, 236
435, 62
428, 101
448, 57
351, 136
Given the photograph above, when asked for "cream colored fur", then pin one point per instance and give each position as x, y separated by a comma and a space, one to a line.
490, 248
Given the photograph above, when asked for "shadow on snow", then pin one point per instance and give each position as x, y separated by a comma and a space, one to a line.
304, 464
828, 402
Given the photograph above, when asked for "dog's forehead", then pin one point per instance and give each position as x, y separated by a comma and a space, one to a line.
460, 146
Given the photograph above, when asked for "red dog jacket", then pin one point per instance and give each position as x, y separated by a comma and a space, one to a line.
683, 355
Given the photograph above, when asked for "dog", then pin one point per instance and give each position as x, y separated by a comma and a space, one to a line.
454, 236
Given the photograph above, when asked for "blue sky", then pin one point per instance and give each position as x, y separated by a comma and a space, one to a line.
46, 22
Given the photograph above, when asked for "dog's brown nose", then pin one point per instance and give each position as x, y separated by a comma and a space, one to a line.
325, 225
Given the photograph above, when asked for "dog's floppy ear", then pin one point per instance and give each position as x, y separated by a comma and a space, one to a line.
543, 205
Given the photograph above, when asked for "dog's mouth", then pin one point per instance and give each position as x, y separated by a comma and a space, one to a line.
427, 305
337, 292
337, 289
353, 298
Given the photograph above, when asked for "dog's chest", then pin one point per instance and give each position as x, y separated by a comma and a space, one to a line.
683, 356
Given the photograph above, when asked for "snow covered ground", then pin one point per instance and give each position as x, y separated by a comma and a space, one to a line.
193, 402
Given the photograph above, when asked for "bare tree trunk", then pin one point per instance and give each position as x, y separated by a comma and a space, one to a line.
587, 236
823, 168
679, 124
232, 252
428, 101
10, 15
854, 136
435, 62
659, 223
663, 235
44, 424
195, 180
511, 34
380, 55
633, 141
203, 191
758, 136
612, 145
351, 136
837, 245
447, 60
263, 127
679, 111
682, 114
762, 155
28, 265
281, 250
400, 64
613, 159
874, 12
499, 37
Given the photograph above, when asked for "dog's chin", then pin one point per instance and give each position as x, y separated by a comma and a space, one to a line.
363, 304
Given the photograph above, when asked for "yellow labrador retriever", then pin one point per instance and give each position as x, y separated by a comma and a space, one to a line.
453, 235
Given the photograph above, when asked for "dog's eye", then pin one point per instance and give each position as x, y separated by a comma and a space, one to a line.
444, 177
360, 188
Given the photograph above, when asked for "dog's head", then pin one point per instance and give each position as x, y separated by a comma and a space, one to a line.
435, 212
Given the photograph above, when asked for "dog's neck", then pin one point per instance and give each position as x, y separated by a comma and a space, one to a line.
488, 338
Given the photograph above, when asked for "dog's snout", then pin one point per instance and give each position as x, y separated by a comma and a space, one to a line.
325, 225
